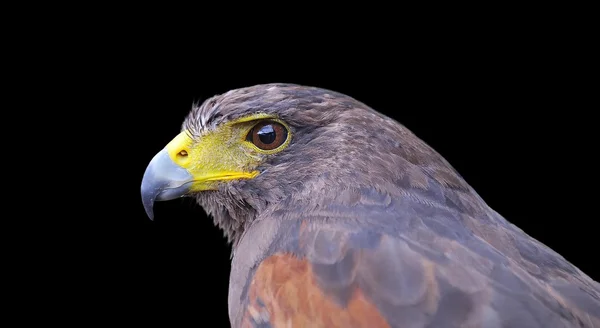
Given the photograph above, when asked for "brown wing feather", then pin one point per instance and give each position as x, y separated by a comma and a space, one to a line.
336, 275
285, 293
433, 257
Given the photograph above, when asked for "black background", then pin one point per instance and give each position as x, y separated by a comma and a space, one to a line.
503, 111
491, 120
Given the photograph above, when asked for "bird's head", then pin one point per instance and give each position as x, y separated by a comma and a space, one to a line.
251, 149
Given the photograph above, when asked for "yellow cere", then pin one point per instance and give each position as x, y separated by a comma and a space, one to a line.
219, 155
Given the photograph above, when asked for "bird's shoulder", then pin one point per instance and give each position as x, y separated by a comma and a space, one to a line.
388, 260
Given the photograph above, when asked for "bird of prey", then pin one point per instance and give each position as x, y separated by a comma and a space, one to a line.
341, 217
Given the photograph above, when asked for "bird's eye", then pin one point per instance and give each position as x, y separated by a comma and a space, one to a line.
268, 135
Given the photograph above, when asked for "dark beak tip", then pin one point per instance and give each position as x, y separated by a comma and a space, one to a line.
150, 214
149, 208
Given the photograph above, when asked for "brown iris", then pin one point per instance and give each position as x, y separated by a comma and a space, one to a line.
267, 135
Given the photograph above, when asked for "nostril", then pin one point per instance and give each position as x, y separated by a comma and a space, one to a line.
182, 153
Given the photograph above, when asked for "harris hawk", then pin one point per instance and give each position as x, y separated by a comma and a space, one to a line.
341, 217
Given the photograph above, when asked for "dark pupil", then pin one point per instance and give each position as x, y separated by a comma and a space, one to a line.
266, 134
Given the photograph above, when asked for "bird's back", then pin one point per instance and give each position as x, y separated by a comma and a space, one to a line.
417, 257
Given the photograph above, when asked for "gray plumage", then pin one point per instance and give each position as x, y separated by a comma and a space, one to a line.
372, 208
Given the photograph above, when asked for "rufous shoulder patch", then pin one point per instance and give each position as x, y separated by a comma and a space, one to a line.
284, 293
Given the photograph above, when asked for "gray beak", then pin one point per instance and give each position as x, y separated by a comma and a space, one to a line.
163, 180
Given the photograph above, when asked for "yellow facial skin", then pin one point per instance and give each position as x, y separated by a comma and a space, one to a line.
222, 154
189, 164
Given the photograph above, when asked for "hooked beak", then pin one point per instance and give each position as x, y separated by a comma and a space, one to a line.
186, 166
164, 180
